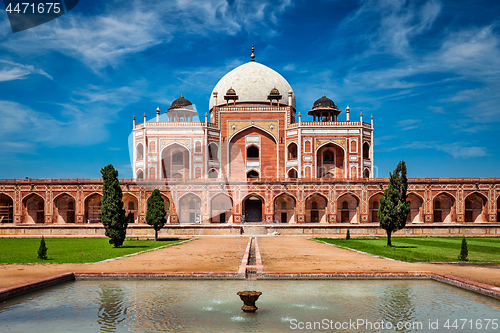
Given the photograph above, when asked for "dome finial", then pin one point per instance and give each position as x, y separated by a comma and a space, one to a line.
253, 55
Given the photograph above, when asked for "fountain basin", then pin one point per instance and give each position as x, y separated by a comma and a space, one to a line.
249, 298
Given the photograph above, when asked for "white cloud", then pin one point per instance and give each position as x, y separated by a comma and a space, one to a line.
121, 30
10, 70
455, 149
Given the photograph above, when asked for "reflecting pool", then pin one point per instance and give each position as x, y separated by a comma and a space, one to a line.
285, 305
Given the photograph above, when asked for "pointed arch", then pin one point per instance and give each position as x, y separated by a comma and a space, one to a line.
284, 208
176, 160
475, 207
221, 206
64, 208
93, 208
373, 207
333, 163
293, 173
292, 151
416, 214
443, 205
6, 208
316, 208
253, 206
347, 208
189, 208
34, 208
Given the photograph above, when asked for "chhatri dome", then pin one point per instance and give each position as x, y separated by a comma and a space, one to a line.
251, 82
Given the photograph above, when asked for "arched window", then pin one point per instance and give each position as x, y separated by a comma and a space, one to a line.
366, 151
366, 174
375, 205
140, 151
345, 205
314, 205
71, 205
292, 151
307, 146
213, 151
252, 152
292, 173
437, 205
252, 174
283, 205
131, 205
353, 146
140, 174
191, 205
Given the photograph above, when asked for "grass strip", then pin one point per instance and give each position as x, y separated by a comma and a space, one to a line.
72, 250
424, 249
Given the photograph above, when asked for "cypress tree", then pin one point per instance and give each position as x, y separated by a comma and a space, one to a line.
155, 214
42, 250
348, 235
394, 208
112, 212
463, 251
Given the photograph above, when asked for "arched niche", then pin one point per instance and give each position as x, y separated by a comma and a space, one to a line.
316, 205
221, 207
6, 209
347, 209
213, 152
64, 209
416, 214
443, 208
175, 162
93, 208
284, 208
131, 206
253, 206
374, 205
252, 174
366, 151
34, 207
475, 204
330, 161
292, 151
293, 174
189, 209
139, 152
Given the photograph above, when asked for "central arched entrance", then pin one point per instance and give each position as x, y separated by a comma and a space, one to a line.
175, 162
330, 161
252, 206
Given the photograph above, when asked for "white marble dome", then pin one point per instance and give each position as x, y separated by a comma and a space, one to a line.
252, 82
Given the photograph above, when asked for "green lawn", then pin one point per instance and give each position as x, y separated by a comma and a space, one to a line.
424, 249
71, 250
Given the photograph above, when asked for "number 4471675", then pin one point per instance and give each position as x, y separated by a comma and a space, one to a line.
32, 8
472, 324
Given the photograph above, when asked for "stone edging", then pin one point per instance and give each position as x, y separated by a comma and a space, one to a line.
22, 289
484, 289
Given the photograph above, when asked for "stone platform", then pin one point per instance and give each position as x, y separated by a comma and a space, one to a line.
261, 229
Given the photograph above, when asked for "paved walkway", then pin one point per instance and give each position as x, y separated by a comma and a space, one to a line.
223, 254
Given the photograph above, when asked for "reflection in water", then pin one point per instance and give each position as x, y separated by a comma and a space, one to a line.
396, 305
213, 306
112, 308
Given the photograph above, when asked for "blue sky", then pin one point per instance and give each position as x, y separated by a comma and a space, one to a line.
428, 71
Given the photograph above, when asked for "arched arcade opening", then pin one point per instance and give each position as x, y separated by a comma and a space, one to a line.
284, 208
253, 206
6, 209
347, 209
64, 209
34, 206
316, 205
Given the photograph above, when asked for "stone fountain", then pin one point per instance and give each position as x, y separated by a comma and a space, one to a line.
249, 298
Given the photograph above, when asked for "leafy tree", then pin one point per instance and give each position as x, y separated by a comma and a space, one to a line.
112, 212
463, 251
394, 208
42, 250
155, 215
